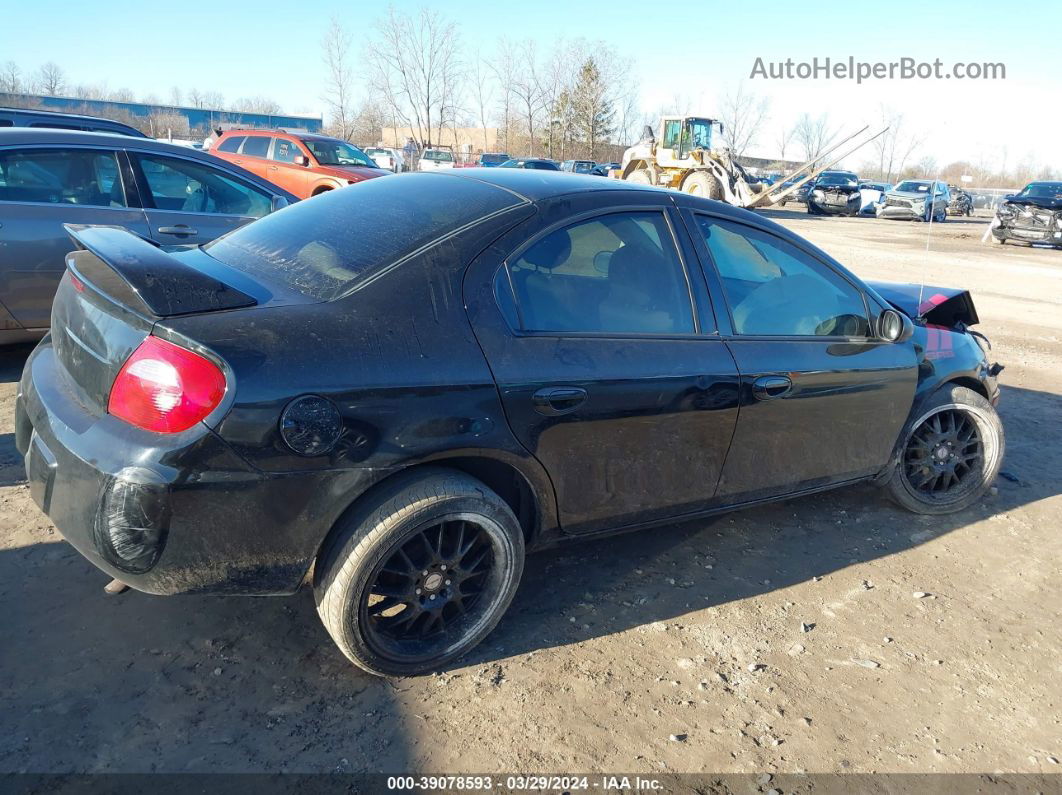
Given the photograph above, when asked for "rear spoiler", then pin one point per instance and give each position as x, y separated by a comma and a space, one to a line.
151, 280
940, 306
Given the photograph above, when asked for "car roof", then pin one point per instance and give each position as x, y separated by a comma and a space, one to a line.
536, 185
58, 114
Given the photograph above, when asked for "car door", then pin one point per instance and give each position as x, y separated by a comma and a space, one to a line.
603, 346
822, 398
42, 188
190, 201
283, 170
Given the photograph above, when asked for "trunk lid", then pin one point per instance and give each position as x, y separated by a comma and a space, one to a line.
116, 288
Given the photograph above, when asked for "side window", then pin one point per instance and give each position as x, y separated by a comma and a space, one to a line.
61, 176
176, 184
672, 132
773, 288
6, 123
256, 146
285, 151
617, 273
231, 144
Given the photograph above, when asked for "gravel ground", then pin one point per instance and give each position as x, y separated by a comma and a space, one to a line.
785, 638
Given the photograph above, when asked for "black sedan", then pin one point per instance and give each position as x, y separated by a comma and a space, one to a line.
392, 391
834, 193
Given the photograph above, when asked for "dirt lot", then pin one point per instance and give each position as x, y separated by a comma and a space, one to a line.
613, 647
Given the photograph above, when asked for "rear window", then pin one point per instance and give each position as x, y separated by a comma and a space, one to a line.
231, 144
326, 246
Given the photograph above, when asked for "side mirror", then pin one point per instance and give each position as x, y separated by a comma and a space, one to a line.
278, 203
1010, 197
301, 160
894, 326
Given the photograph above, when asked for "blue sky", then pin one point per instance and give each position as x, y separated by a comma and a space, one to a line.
696, 50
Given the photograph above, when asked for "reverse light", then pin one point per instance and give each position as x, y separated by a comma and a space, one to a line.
165, 388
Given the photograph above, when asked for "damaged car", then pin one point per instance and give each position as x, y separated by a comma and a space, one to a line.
389, 394
1032, 216
961, 202
835, 193
916, 200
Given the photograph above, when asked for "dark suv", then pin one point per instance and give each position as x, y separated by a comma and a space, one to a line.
47, 119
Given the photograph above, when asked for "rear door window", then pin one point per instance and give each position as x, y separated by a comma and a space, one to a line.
614, 274
84, 177
231, 144
178, 184
256, 146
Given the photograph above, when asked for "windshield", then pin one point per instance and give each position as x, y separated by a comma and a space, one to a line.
582, 166
1043, 190
493, 159
324, 248
837, 178
333, 152
438, 155
700, 134
910, 186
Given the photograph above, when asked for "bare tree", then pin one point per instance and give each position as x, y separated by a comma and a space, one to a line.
176, 96
256, 104
414, 64
483, 90
526, 90
505, 67
51, 79
927, 166
781, 141
122, 95
895, 146
743, 115
10, 78
813, 135
339, 88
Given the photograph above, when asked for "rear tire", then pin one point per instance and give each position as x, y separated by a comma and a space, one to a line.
421, 574
949, 452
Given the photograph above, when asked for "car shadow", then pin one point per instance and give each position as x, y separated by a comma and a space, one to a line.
612, 585
207, 682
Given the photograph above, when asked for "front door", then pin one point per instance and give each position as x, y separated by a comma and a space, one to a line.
40, 190
602, 344
283, 170
823, 400
190, 202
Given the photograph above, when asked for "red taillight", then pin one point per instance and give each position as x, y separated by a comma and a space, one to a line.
165, 388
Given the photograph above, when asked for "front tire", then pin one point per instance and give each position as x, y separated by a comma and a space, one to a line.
640, 176
701, 183
421, 574
950, 452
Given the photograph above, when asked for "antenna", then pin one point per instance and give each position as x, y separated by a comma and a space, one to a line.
929, 234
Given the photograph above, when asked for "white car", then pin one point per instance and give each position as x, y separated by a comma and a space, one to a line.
384, 157
432, 159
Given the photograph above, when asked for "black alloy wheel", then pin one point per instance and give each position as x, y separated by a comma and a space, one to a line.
944, 454
428, 589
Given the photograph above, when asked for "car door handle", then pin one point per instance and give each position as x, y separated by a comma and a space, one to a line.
180, 229
769, 387
555, 400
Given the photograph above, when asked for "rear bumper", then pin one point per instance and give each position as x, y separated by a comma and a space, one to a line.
168, 514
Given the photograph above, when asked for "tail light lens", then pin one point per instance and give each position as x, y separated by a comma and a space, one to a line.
165, 388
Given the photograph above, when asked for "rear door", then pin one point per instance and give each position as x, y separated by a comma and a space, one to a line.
42, 188
189, 201
603, 346
284, 172
822, 399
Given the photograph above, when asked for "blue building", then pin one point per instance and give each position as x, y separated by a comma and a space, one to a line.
202, 120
